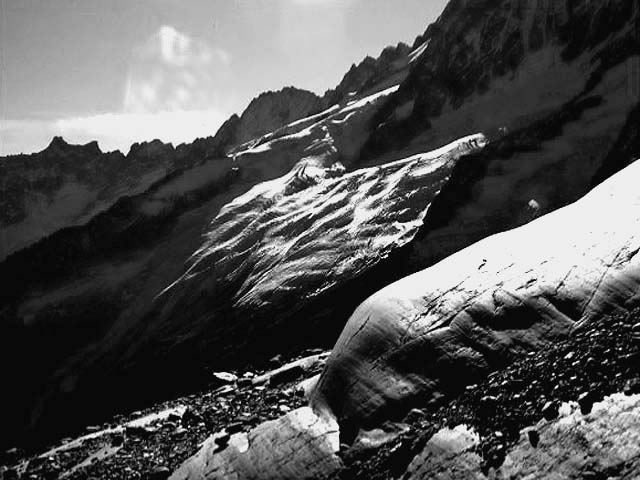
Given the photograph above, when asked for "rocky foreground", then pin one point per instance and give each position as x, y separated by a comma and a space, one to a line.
547, 414
511, 419
151, 443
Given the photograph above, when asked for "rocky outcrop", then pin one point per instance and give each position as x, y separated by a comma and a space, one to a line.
272, 110
158, 439
389, 69
553, 118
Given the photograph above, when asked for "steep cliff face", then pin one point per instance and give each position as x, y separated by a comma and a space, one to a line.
550, 86
488, 65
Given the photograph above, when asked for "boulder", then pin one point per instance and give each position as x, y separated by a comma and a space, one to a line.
299, 445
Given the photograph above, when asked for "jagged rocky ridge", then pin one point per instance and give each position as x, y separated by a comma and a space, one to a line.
68, 185
389, 69
563, 131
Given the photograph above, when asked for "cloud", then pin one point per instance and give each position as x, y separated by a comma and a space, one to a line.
113, 131
171, 71
176, 90
119, 131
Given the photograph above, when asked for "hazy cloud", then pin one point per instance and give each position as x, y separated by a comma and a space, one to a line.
119, 130
174, 91
174, 72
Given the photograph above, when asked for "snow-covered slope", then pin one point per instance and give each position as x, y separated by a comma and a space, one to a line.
315, 227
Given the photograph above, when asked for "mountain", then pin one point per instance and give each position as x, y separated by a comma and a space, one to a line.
272, 110
68, 185
502, 112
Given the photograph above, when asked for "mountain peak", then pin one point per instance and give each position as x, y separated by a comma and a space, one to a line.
57, 143
274, 109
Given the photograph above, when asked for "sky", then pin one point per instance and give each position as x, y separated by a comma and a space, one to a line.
124, 71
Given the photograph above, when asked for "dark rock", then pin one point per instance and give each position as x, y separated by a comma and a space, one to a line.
632, 387
591, 363
244, 382
160, 473
286, 375
174, 417
10, 455
312, 351
234, 427
10, 474
534, 437
225, 377
414, 415
139, 432
586, 400
222, 440
550, 410
189, 417
117, 440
